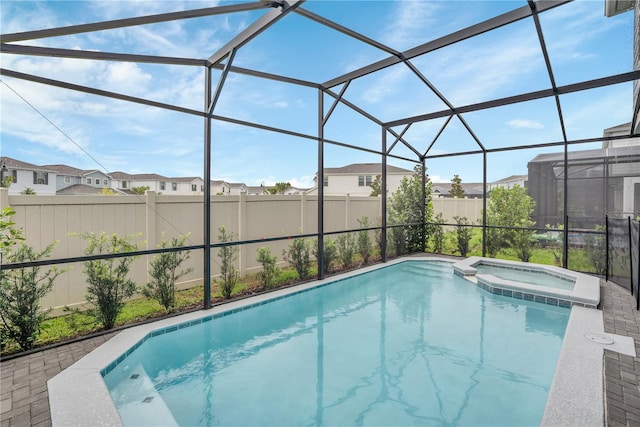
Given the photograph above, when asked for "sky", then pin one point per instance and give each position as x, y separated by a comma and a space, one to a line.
48, 125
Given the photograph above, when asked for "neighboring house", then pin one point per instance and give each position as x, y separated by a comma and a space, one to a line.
509, 182
356, 179
219, 187
235, 188
620, 130
256, 190
67, 176
26, 175
181, 186
472, 190
80, 190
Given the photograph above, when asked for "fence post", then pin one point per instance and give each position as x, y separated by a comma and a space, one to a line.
150, 226
630, 255
606, 243
242, 223
4, 198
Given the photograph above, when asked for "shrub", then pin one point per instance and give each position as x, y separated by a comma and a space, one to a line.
165, 273
108, 285
596, 251
21, 290
269, 272
298, 257
438, 234
463, 234
9, 235
228, 255
329, 254
365, 246
345, 249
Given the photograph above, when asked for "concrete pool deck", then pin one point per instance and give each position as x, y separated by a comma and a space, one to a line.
24, 398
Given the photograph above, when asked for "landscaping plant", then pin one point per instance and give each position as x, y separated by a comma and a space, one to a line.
364, 246
269, 271
165, 272
108, 286
21, 290
438, 234
345, 249
228, 256
298, 256
463, 234
329, 254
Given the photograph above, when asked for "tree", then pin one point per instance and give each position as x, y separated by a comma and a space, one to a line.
456, 187
165, 273
511, 208
279, 188
438, 234
28, 192
364, 246
21, 290
463, 234
108, 192
376, 186
269, 271
227, 255
298, 256
6, 181
406, 207
9, 235
140, 190
108, 286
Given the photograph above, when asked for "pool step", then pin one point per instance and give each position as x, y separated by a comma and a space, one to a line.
145, 406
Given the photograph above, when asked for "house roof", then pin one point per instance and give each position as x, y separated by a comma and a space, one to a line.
470, 188
71, 171
11, 163
79, 189
368, 168
511, 178
599, 154
183, 179
237, 185
139, 176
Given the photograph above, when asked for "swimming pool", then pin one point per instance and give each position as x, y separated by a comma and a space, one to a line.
410, 343
536, 282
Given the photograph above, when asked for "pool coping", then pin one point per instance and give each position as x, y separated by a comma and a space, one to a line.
79, 396
585, 293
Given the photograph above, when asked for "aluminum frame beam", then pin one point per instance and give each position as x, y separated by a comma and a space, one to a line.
474, 30
530, 96
130, 22
267, 20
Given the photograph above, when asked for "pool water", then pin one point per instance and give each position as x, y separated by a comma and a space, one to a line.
407, 344
539, 278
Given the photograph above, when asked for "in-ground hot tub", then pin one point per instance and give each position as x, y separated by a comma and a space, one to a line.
534, 282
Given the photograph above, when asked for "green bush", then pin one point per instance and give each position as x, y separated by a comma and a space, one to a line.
108, 286
21, 290
463, 233
329, 254
438, 234
228, 255
345, 249
165, 272
270, 272
364, 245
298, 256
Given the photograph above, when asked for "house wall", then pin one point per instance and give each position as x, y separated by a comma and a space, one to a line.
97, 176
25, 180
340, 185
45, 219
61, 183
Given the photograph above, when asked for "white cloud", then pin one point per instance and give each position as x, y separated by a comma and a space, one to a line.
305, 181
126, 77
525, 124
